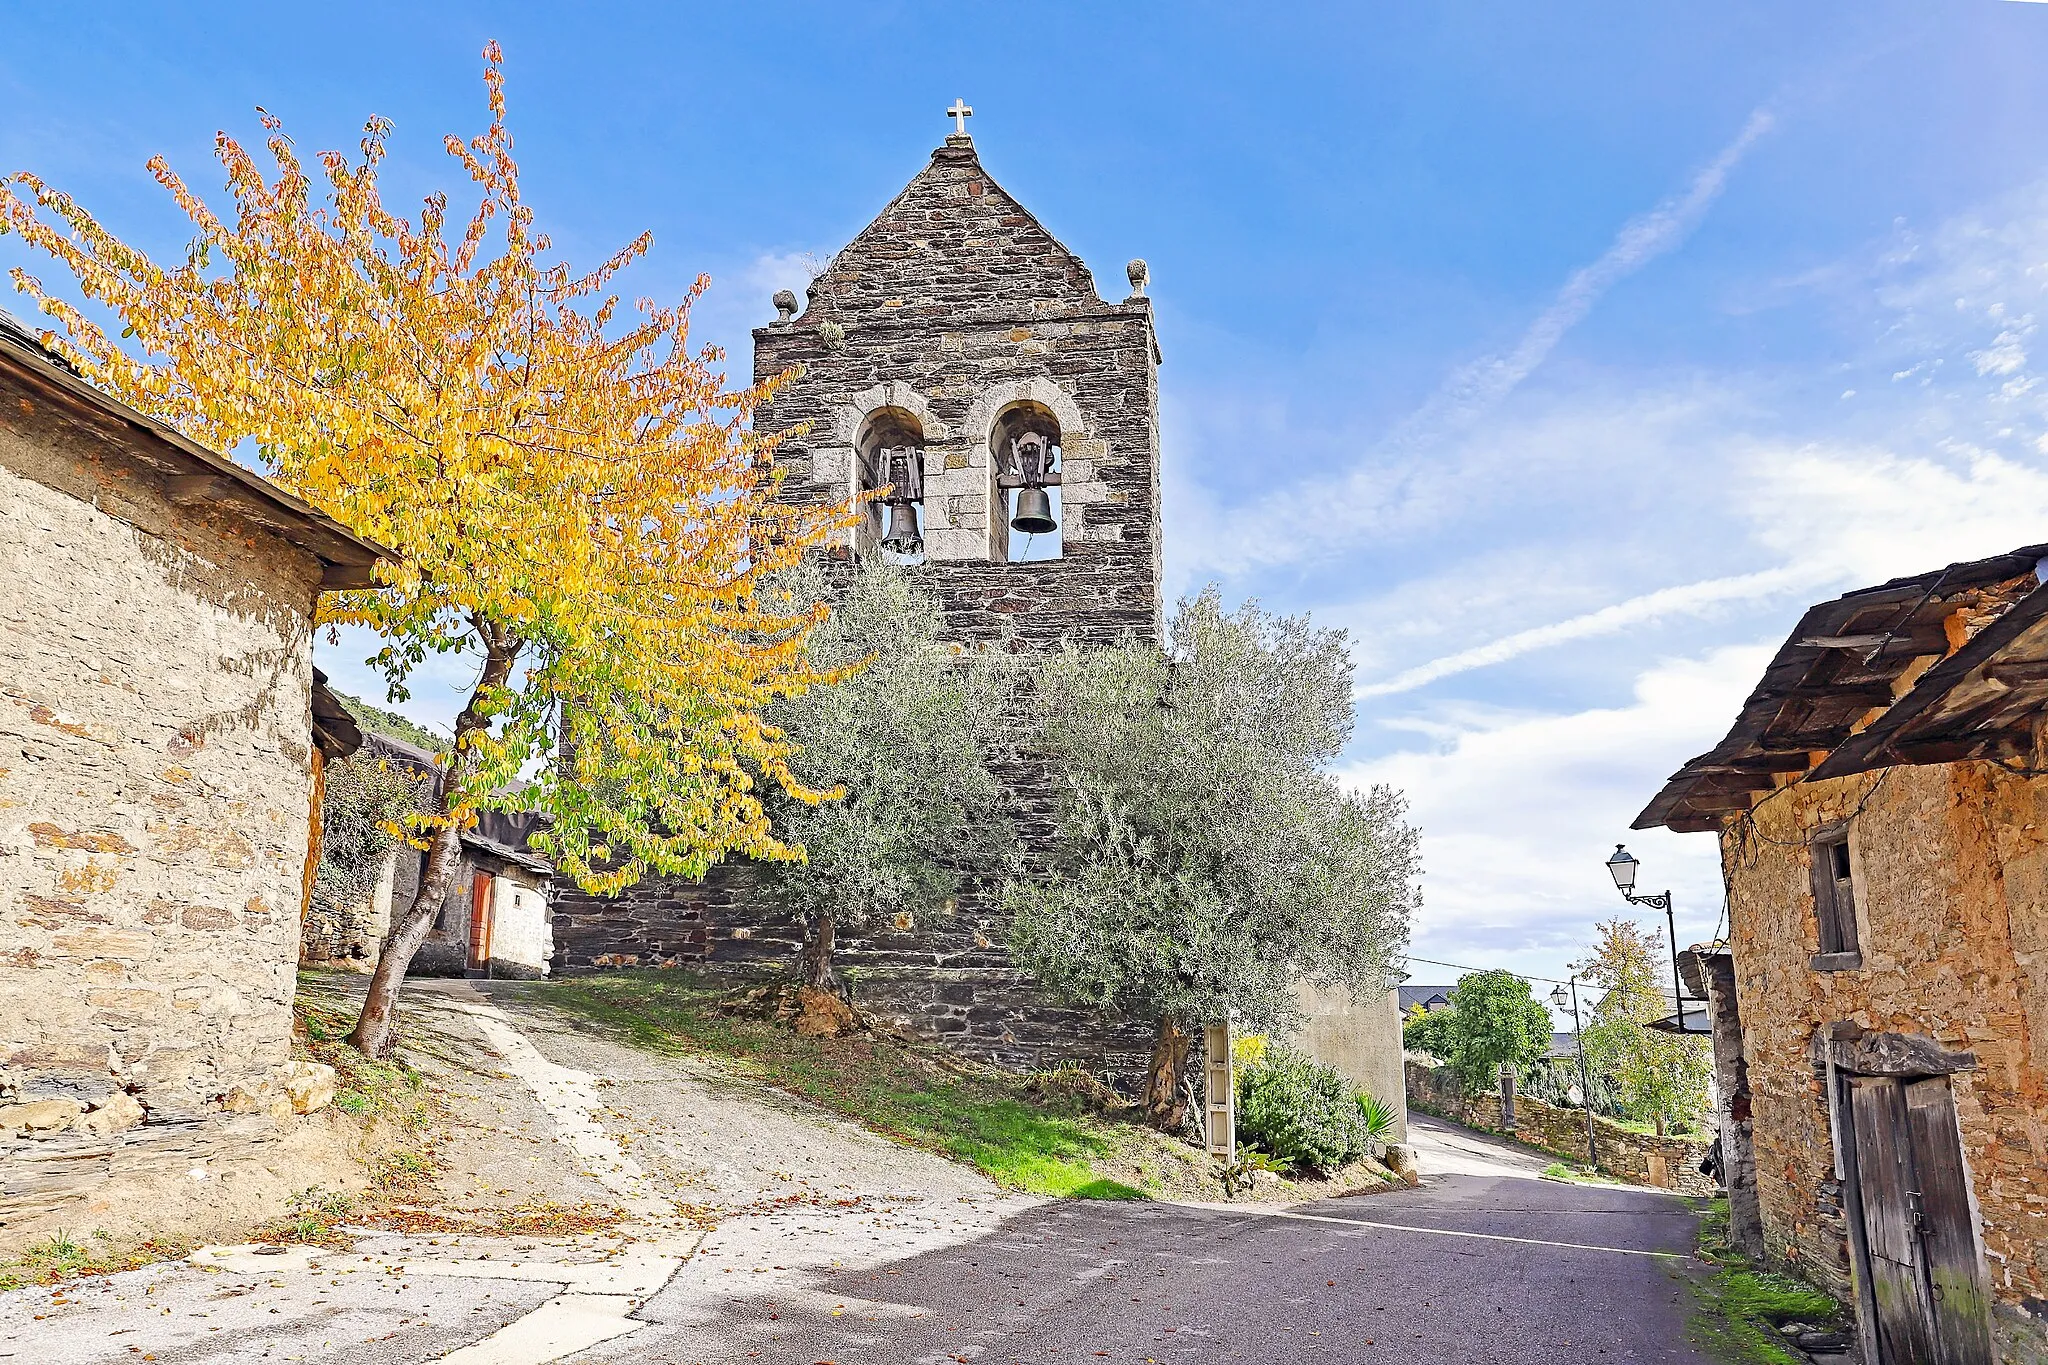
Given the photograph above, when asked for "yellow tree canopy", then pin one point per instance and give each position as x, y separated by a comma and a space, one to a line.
577, 501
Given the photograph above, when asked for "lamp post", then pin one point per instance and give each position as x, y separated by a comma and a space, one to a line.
1623, 868
1557, 998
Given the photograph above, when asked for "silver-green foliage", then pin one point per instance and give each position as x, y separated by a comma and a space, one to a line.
1206, 860
912, 738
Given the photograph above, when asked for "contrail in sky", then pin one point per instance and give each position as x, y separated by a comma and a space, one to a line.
1478, 388
1685, 599
1292, 522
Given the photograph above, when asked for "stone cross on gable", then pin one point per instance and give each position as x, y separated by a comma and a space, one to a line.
960, 113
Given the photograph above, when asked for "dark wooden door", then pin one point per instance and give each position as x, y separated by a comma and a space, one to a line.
1948, 1242
1919, 1240
480, 891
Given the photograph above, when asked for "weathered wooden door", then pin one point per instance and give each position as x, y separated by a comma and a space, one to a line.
1920, 1247
480, 892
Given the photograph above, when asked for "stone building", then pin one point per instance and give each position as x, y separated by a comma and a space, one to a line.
1881, 1007
951, 348
158, 760
496, 921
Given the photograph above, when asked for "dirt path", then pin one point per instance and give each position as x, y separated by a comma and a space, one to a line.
729, 1189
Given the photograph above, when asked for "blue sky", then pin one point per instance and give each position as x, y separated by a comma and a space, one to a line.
1560, 353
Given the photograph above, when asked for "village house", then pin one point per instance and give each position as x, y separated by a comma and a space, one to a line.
496, 921
1880, 1006
959, 354
161, 741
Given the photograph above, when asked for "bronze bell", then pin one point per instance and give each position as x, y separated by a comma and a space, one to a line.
902, 537
1034, 512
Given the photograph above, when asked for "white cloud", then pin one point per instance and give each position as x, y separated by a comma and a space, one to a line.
1518, 812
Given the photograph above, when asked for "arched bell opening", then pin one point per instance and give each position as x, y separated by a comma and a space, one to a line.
1025, 460
890, 456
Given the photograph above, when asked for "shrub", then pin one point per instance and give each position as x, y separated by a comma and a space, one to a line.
1377, 1115
1304, 1113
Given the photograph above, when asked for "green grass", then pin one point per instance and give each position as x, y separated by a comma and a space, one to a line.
1578, 1175
62, 1256
987, 1119
1740, 1306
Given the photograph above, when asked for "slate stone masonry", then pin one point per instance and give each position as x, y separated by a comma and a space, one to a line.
951, 313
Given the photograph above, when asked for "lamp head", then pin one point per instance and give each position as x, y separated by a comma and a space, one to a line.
1623, 868
1559, 998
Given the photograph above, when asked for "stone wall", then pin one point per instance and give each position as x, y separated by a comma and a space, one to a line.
155, 792
949, 978
1950, 870
1669, 1163
1361, 1037
953, 307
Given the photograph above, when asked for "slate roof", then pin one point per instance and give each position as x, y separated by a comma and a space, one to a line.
188, 472
1411, 996
1935, 668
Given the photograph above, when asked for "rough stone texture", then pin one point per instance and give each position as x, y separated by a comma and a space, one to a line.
155, 794
155, 781
951, 309
1669, 1163
1950, 869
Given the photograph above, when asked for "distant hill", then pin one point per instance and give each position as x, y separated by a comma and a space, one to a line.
394, 725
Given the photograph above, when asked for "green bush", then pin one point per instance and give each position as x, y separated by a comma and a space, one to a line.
1304, 1113
1377, 1115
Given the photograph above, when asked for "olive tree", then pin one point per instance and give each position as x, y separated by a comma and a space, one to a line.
906, 739
1205, 859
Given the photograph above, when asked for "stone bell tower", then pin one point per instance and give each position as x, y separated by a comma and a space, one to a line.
957, 335
958, 354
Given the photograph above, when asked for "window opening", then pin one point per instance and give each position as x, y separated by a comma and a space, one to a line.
1028, 465
891, 458
1834, 893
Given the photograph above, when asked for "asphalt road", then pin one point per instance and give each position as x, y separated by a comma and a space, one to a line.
1157, 1283
832, 1246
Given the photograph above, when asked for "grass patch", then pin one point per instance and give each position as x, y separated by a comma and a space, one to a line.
1740, 1306
368, 1089
63, 1256
1577, 1175
1042, 1140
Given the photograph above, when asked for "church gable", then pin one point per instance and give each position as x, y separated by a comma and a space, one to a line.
953, 243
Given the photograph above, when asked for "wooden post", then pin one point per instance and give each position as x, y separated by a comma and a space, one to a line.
1220, 1099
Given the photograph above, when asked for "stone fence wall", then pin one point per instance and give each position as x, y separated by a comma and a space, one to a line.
1671, 1163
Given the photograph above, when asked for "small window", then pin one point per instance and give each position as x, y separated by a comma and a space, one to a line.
1834, 900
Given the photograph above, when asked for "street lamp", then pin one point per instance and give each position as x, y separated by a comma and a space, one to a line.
1622, 867
1557, 998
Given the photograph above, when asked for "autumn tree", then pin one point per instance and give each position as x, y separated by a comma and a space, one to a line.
1206, 860
1656, 1077
1494, 1021
577, 506
910, 741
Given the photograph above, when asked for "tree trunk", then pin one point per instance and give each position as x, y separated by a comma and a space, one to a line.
1165, 1106
817, 958
375, 1032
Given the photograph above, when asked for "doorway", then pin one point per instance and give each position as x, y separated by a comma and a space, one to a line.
481, 891
1920, 1282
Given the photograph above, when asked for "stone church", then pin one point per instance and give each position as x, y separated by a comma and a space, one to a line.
956, 351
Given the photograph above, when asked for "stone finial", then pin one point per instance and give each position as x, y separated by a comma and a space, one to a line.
1139, 273
785, 305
